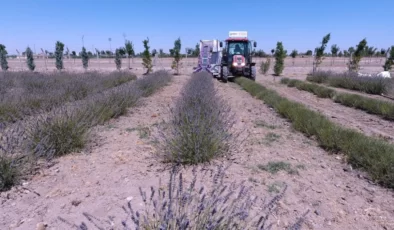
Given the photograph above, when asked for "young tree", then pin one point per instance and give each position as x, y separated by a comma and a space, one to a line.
74, 55
280, 55
59, 55
3, 58
176, 53
67, 53
320, 51
340, 54
85, 58
390, 60
129, 50
146, 57
294, 54
272, 52
118, 59
353, 65
334, 52
30, 59
308, 53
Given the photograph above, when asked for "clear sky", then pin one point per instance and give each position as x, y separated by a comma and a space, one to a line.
299, 24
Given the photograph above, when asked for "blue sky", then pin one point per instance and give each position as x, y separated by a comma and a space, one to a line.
299, 24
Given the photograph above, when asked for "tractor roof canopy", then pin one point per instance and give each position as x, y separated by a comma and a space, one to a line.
236, 39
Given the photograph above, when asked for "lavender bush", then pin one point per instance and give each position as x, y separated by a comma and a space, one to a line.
183, 206
351, 80
65, 130
200, 123
25, 93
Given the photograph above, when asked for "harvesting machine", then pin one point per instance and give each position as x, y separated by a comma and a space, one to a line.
237, 56
210, 57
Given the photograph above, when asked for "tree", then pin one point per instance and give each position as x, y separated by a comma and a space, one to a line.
118, 59
146, 58
320, 51
196, 51
3, 58
30, 59
294, 54
177, 55
340, 54
370, 51
390, 60
280, 55
334, 52
129, 50
353, 65
74, 55
59, 55
272, 52
308, 53
85, 58
382, 52
161, 53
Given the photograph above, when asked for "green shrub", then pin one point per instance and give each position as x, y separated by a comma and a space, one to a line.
9, 173
265, 66
373, 155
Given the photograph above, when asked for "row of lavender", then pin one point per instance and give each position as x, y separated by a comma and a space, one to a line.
65, 128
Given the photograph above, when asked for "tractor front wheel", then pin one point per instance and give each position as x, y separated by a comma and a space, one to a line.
224, 74
253, 73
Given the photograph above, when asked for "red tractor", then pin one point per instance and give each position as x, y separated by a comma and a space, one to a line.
237, 57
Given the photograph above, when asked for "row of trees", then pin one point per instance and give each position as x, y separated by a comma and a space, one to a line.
127, 50
355, 54
369, 51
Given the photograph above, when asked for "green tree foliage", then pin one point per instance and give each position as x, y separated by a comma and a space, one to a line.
85, 58
3, 58
334, 50
320, 50
196, 51
59, 55
390, 60
30, 59
129, 50
280, 55
146, 57
354, 65
294, 54
118, 59
176, 53
308, 53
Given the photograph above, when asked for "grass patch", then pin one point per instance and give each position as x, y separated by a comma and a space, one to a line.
271, 137
374, 106
275, 187
373, 155
143, 132
274, 167
261, 123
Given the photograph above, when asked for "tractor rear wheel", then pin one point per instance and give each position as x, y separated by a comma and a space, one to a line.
224, 74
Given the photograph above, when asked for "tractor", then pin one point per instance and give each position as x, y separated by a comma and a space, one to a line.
237, 57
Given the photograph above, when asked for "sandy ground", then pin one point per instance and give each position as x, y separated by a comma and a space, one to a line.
100, 180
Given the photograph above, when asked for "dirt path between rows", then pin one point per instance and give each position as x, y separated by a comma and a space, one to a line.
369, 124
102, 180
